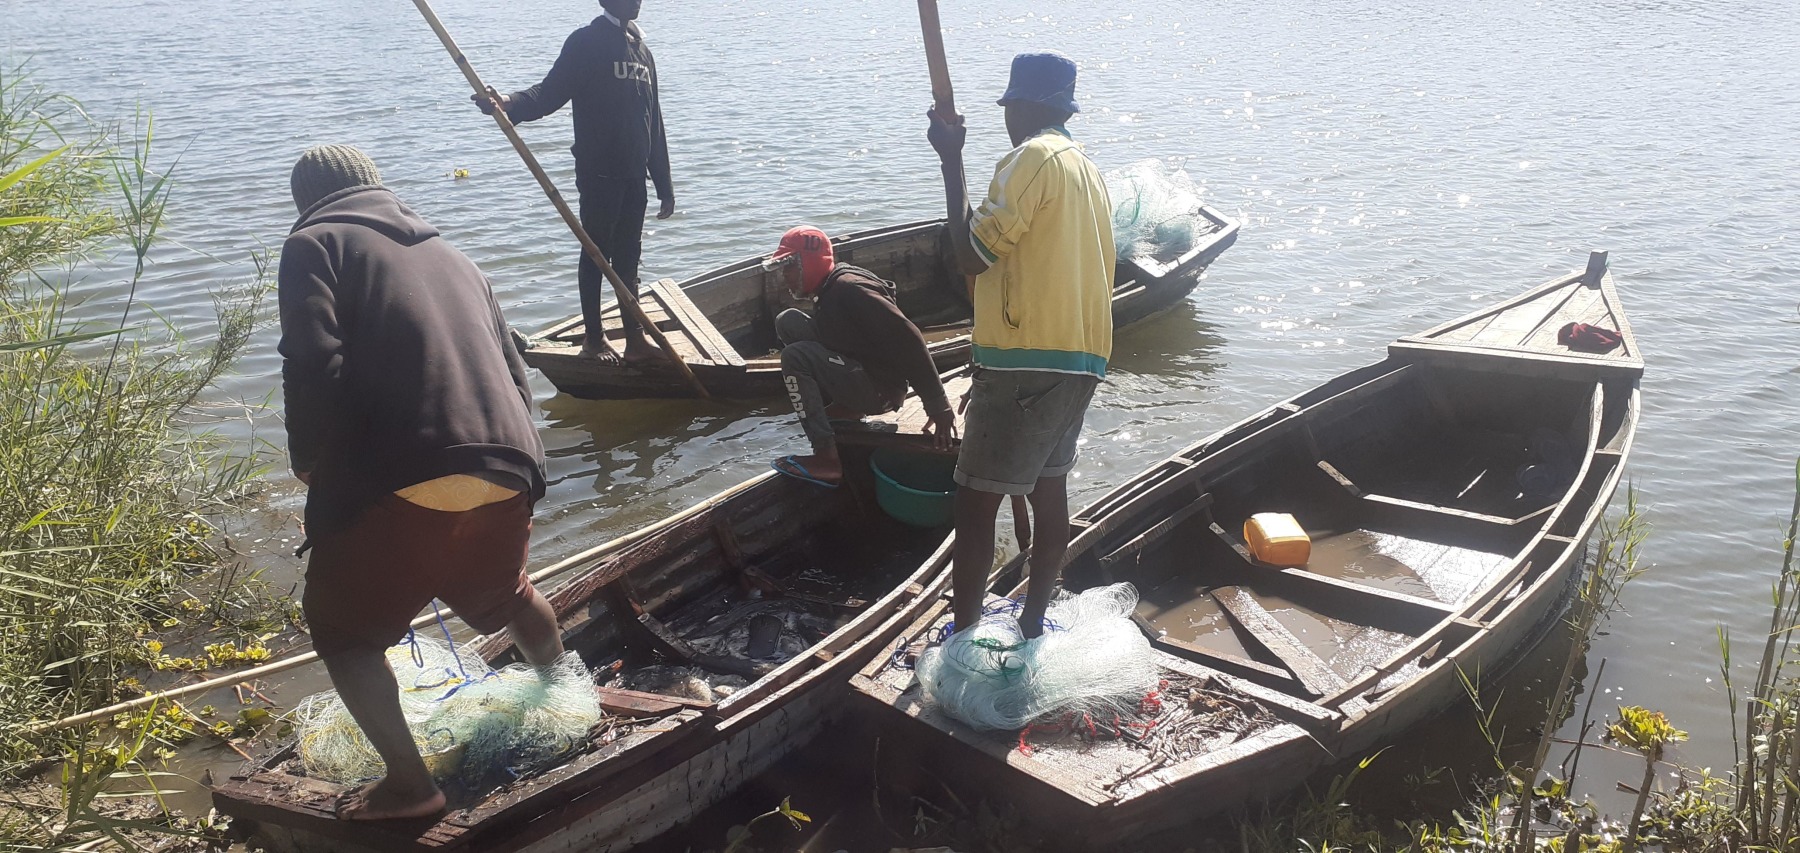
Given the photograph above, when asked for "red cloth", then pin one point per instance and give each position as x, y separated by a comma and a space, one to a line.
1582, 337
366, 582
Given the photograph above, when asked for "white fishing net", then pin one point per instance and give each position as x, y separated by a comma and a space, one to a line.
467, 720
1156, 210
1091, 658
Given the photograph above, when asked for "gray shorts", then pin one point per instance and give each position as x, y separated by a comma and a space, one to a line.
1022, 425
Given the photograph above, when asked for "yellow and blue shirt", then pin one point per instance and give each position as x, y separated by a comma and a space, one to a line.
1045, 229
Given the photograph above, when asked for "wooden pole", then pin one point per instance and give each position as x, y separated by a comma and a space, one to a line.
627, 302
943, 97
941, 94
584, 558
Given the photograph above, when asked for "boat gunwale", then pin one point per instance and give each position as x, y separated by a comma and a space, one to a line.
874, 625
1630, 363
1223, 235
1264, 426
1196, 765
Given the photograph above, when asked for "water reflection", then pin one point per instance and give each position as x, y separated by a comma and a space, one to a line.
1180, 343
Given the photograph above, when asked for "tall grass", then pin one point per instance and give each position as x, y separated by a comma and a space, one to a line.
1767, 802
105, 487
1615, 565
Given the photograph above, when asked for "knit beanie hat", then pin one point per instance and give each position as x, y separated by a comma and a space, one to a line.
325, 169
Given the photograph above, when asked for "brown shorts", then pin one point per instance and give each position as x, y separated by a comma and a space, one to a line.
365, 583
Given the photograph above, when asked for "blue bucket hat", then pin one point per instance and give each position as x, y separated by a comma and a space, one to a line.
1042, 78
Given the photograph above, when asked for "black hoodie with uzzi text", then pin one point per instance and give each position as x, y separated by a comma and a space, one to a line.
397, 366
608, 72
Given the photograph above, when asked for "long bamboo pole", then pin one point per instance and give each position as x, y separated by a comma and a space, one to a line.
944, 98
585, 558
627, 302
933, 30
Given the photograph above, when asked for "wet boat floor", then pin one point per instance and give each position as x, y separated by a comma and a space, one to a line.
1178, 605
800, 597
1195, 716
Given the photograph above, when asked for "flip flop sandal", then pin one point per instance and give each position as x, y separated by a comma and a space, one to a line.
798, 471
860, 425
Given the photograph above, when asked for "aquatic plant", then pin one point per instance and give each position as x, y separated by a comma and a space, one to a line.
741, 838
107, 483
1648, 733
1615, 565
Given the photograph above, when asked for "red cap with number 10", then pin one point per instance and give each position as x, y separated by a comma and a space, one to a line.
814, 249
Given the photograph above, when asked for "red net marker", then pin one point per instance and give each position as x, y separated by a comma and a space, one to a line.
1151, 705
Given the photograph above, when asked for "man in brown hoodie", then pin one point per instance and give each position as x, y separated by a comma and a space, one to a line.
409, 419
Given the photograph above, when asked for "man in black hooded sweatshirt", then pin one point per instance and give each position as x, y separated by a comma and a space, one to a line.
409, 419
606, 69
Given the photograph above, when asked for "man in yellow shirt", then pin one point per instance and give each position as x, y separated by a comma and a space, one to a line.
1041, 246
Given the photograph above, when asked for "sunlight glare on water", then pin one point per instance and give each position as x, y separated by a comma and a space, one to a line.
1394, 165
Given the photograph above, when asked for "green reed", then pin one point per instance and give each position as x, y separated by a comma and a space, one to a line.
107, 481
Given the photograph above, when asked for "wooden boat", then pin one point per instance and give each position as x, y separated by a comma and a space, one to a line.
826, 561
1428, 558
722, 322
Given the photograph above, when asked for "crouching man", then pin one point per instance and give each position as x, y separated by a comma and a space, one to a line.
856, 351
408, 418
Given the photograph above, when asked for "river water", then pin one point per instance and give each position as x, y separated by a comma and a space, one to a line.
1394, 165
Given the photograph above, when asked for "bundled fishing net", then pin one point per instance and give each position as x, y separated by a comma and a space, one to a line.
1156, 210
1091, 658
468, 720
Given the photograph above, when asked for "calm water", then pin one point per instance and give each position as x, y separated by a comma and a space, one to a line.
1395, 164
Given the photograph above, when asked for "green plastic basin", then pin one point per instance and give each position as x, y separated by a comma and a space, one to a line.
914, 488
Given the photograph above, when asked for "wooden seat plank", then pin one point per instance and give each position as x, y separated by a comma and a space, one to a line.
1308, 668
1381, 608
1245, 668
695, 323
631, 703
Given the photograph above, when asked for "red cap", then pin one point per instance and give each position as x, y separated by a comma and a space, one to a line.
814, 249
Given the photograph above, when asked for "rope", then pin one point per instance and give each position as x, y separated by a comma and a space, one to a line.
457, 678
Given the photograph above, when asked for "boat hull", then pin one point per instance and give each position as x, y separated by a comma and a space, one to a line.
725, 332
675, 758
1418, 457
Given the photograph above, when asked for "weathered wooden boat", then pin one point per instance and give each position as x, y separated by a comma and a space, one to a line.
840, 578
1448, 490
722, 322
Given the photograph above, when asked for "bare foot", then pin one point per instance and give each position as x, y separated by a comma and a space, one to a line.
830, 469
1031, 627
639, 350
386, 799
599, 349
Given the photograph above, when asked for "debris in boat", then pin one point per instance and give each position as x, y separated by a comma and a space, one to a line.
686, 682
765, 632
1184, 717
1156, 210
1091, 659
790, 626
467, 719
